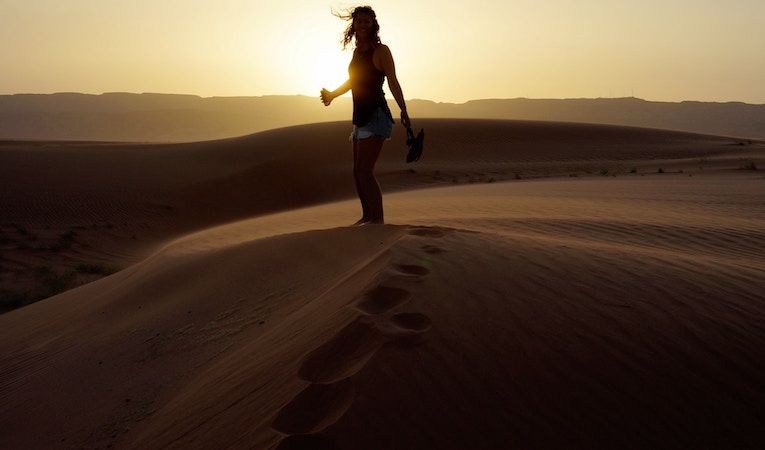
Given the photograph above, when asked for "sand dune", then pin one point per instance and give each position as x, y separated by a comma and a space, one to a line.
599, 312
104, 206
609, 306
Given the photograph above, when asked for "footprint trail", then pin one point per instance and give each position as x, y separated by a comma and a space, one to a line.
331, 367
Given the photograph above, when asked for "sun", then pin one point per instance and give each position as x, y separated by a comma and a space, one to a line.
329, 68
312, 60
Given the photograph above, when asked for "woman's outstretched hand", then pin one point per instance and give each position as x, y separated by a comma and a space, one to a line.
326, 97
405, 119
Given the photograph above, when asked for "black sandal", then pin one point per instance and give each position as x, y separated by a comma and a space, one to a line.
415, 144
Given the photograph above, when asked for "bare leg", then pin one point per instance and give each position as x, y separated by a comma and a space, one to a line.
364, 208
368, 152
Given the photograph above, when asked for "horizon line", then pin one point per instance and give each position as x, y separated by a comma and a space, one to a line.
345, 96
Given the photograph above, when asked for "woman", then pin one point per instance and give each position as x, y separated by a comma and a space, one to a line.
372, 120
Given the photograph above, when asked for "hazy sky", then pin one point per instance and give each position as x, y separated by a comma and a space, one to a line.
654, 49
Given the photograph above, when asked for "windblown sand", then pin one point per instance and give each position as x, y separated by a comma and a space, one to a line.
576, 312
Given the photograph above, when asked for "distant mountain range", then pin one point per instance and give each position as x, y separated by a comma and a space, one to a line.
174, 118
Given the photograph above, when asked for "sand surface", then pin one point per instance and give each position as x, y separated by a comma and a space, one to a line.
568, 312
73, 212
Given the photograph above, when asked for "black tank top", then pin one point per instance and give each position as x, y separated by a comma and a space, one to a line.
366, 87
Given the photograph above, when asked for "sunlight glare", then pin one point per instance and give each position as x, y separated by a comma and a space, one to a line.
314, 59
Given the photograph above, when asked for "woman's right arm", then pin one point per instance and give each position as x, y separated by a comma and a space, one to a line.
327, 97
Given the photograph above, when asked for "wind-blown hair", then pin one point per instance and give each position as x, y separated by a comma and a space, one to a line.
349, 15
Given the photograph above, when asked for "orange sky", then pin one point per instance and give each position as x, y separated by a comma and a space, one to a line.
658, 50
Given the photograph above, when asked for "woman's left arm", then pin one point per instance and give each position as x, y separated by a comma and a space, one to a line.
389, 67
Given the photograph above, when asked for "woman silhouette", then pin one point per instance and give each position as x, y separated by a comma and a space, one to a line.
372, 62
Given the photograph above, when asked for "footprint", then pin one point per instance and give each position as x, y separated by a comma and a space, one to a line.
315, 408
306, 442
382, 299
405, 329
426, 231
411, 321
432, 249
343, 355
412, 269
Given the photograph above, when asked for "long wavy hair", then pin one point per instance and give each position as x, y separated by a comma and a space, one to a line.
349, 15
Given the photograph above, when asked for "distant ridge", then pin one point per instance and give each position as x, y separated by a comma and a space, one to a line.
153, 117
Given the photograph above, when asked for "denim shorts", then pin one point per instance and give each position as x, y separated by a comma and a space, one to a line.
379, 125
